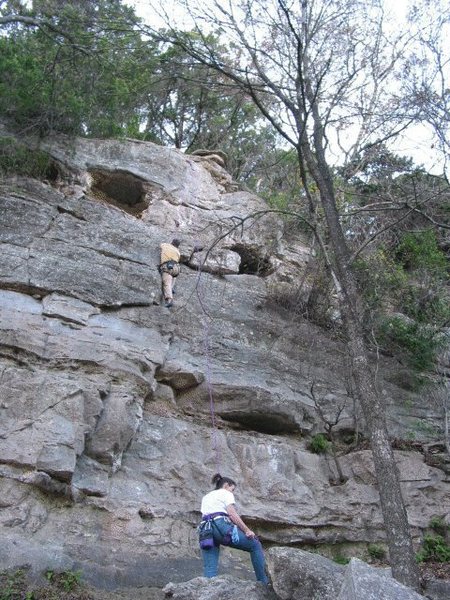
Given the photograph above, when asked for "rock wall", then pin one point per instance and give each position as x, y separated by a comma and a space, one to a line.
106, 437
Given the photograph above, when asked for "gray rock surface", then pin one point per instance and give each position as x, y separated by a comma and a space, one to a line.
106, 437
363, 581
437, 589
217, 588
299, 575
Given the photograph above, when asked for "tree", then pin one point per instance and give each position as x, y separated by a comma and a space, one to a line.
329, 422
426, 78
320, 73
84, 68
192, 106
395, 213
74, 67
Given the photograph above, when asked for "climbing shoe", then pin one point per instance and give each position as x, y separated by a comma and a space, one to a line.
168, 303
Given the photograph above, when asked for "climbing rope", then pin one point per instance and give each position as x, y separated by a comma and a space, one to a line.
206, 348
214, 437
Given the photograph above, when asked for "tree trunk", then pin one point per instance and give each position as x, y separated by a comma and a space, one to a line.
398, 535
341, 476
395, 518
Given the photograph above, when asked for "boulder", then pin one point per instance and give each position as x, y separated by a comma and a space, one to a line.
437, 589
218, 588
363, 581
300, 575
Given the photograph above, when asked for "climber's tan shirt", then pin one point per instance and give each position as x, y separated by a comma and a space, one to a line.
169, 252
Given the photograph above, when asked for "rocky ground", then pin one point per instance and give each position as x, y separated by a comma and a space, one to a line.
67, 586
435, 570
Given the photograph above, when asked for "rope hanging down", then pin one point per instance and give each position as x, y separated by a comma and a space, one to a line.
214, 440
206, 319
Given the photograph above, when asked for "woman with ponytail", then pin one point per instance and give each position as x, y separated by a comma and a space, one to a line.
220, 520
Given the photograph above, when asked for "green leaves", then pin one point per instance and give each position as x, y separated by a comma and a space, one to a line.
434, 548
85, 69
20, 160
418, 342
419, 250
319, 444
73, 69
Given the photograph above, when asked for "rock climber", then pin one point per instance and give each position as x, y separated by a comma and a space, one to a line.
169, 268
220, 517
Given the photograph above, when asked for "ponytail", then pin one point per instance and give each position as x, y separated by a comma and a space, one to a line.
220, 481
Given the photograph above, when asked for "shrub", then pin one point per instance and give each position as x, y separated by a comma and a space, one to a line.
67, 580
376, 552
70, 580
434, 548
411, 280
16, 159
13, 586
438, 525
341, 560
419, 342
61, 586
420, 250
319, 444
427, 302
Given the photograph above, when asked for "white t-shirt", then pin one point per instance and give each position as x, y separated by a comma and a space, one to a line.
216, 501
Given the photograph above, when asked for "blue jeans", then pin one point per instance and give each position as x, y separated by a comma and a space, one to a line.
220, 528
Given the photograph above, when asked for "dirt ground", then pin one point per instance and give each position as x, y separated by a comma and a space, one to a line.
128, 594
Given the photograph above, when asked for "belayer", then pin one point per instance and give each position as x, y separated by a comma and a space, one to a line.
221, 525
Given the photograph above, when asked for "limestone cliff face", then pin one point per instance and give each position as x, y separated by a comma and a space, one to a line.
106, 443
